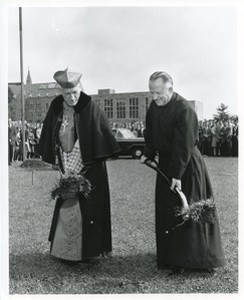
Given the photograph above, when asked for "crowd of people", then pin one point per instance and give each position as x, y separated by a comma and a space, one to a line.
136, 127
216, 138
32, 136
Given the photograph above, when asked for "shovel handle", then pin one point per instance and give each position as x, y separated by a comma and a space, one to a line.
182, 196
149, 162
183, 199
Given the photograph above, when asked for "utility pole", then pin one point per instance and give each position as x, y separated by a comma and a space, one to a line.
22, 82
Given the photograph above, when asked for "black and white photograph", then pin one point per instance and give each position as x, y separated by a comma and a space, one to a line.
120, 176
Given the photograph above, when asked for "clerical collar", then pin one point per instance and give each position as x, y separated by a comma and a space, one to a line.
67, 107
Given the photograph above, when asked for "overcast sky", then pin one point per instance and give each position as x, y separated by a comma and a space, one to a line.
119, 47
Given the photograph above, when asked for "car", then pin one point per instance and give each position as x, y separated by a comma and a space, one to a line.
130, 145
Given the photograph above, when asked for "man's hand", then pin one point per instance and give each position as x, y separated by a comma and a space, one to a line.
176, 183
143, 158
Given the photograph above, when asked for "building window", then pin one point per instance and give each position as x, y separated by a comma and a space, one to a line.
43, 86
120, 110
31, 106
47, 105
146, 104
134, 108
38, 114
108, 108
98, 102
38, 106
51, 85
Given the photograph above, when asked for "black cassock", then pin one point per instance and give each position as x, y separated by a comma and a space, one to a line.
172, 132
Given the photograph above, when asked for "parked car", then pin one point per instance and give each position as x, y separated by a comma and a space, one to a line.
129, 143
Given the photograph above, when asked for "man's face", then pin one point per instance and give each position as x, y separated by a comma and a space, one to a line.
71, 96
160, 91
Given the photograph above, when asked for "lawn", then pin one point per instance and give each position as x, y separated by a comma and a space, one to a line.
132, 268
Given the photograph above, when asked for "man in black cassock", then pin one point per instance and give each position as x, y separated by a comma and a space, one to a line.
172, 134
75, 124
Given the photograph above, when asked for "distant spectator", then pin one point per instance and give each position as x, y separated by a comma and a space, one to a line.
228, 138
204, 137
218, 130
235, 139
200, 143
37, 137
17, 153
32, 143
11, 141
209, 139
27, 144
225, 139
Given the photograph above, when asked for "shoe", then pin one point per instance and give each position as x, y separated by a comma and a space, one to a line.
176, 270
106, 254
68, 262
164, 267
209, 271
86, 260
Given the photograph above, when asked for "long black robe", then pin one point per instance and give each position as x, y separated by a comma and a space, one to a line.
172, 132
96, 144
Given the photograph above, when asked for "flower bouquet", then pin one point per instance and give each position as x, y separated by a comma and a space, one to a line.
72, 185
203, 211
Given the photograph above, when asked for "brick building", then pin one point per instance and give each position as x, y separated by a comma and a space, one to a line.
118, 107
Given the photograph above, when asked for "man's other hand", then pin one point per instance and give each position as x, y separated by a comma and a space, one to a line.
143, 158
176, 183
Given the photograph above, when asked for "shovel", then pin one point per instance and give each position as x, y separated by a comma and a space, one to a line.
203, 211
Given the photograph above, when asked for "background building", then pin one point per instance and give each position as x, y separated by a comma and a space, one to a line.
118, 107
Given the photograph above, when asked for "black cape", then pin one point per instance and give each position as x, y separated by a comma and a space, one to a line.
92, 128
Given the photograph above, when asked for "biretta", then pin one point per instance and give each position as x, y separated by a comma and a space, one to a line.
67, 79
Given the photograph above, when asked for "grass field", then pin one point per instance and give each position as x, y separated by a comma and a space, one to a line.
132, 268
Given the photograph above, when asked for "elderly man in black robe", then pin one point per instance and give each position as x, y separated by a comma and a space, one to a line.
77, 133
172, 134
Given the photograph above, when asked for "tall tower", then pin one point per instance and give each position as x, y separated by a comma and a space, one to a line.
28, 79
